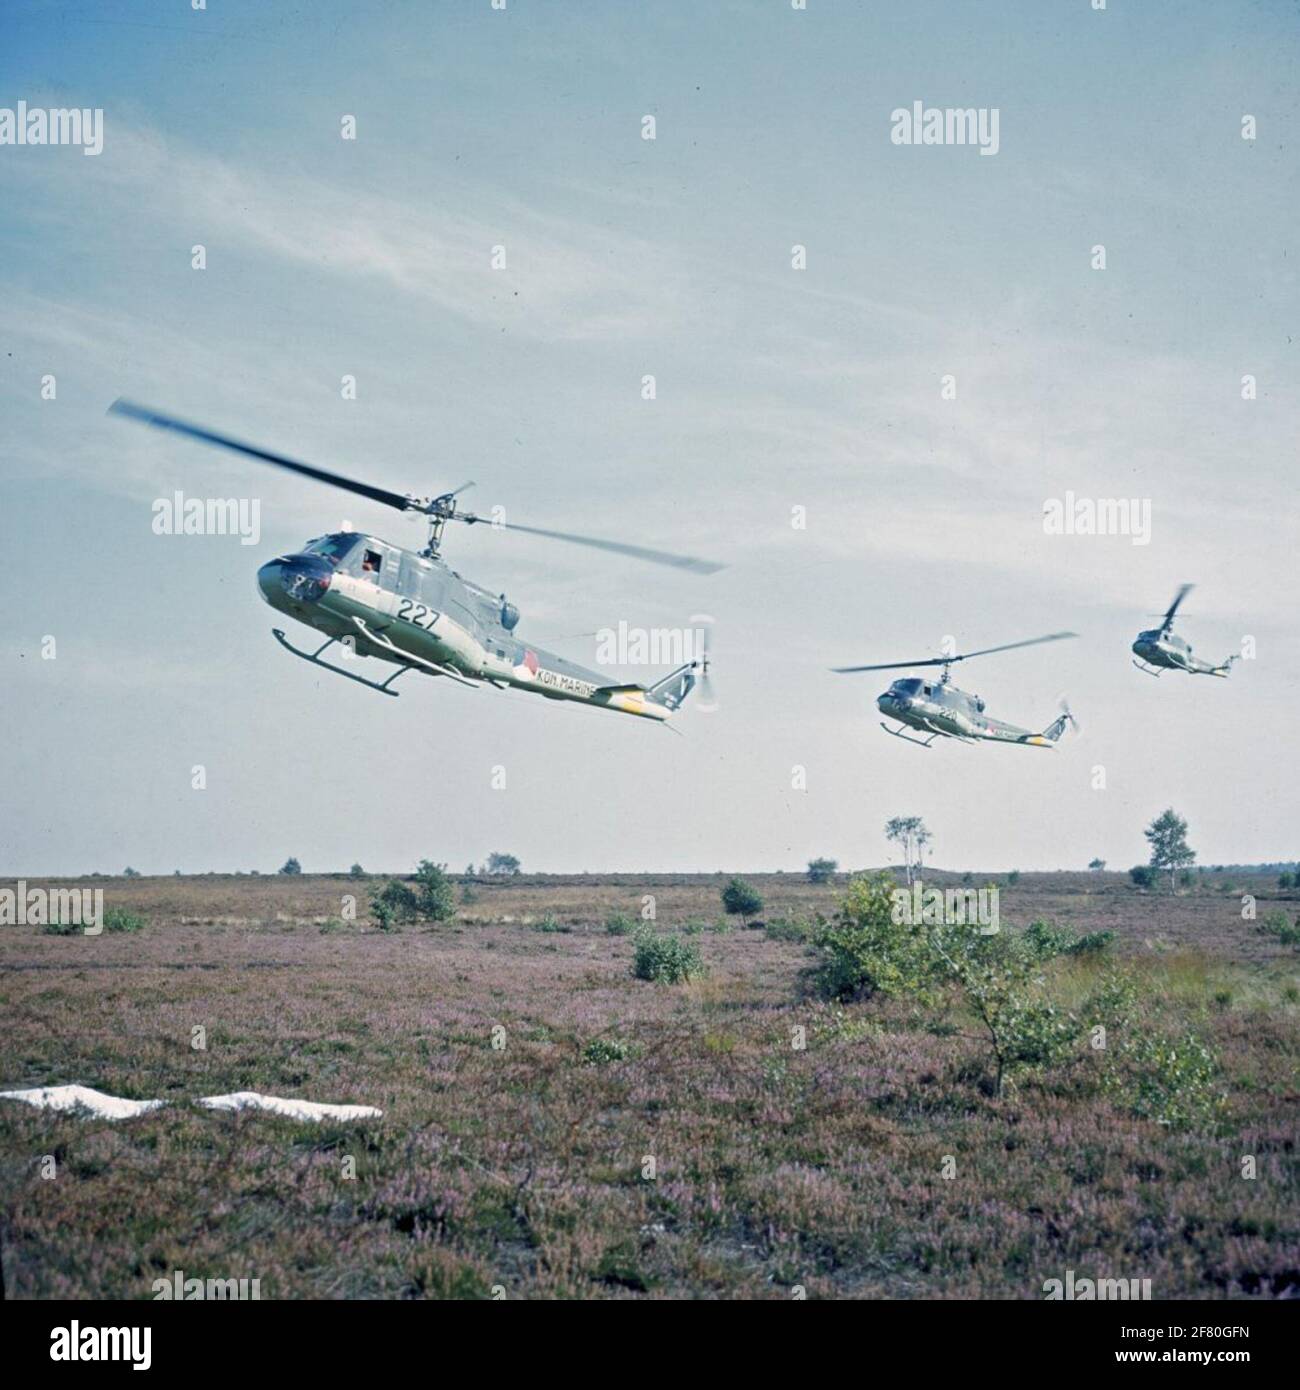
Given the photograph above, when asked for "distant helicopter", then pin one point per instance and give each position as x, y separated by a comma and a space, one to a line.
942, 711
1159, 648
412, 609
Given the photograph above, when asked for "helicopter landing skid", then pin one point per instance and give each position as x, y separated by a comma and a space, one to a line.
314, 658
907, 738
1147, 670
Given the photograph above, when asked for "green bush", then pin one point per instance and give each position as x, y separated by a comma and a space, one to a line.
619, 924
602, 1050
739, 899
788, 929
1171, 1080
434, 892
1278, 924
665, 959
1143, 875
863, 952
821, 870
395, 905
551, 925
118, 919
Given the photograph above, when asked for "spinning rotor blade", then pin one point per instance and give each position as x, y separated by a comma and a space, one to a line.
441, 508
1182, 593
639, 552
168, 422
950, 660
1011, 646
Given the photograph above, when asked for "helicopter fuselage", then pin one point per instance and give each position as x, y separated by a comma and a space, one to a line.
939, 708
1170, 652
380, 600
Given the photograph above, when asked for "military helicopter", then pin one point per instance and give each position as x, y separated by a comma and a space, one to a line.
942, 711
412, 609
1159, 650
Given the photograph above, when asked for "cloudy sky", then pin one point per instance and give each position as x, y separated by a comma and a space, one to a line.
776, 389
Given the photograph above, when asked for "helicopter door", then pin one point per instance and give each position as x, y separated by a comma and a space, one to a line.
378, 565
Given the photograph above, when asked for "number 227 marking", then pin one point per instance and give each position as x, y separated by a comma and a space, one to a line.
416, 613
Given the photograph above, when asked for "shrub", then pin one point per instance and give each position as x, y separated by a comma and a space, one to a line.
1143, 875
1044, 941
550, 924
290, 866
117, 919
356, 871
1170, 1080
739, 899
1283, 880
788, 929
666, 959
130, 872
996, 977
619, 924
864, 952
601, 1050
1278, 924
1013, 877
436, 901
395, 905
822, 870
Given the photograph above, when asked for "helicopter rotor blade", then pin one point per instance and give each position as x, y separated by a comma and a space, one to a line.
1182, 593
639, 552
1011, 646
893, 665
145, 416
950, 660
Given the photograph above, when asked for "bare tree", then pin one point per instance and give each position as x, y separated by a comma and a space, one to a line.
911, 836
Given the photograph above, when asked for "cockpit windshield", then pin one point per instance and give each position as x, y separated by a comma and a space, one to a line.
907, 687
333, 548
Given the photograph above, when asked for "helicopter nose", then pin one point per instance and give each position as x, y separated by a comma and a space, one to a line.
298, 578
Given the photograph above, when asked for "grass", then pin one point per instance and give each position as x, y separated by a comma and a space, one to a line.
726, 1137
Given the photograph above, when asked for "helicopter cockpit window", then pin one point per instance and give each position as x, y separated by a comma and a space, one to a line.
333, 548
907, 687
371, 562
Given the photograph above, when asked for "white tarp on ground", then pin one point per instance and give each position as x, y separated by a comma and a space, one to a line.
114, 1108
295, 1109
82, 1098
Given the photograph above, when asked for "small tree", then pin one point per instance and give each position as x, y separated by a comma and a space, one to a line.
396, 904
434, 891
1167, 836
130, 873
739, 899
502, 863
356, 871
291, 866
821, 870
911, 836
1143, 875
1097, 865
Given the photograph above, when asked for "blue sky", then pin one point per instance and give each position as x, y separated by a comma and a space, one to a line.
776, 388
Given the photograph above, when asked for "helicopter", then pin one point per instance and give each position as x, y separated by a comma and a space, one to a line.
378, 599
942, 711
1159, 650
